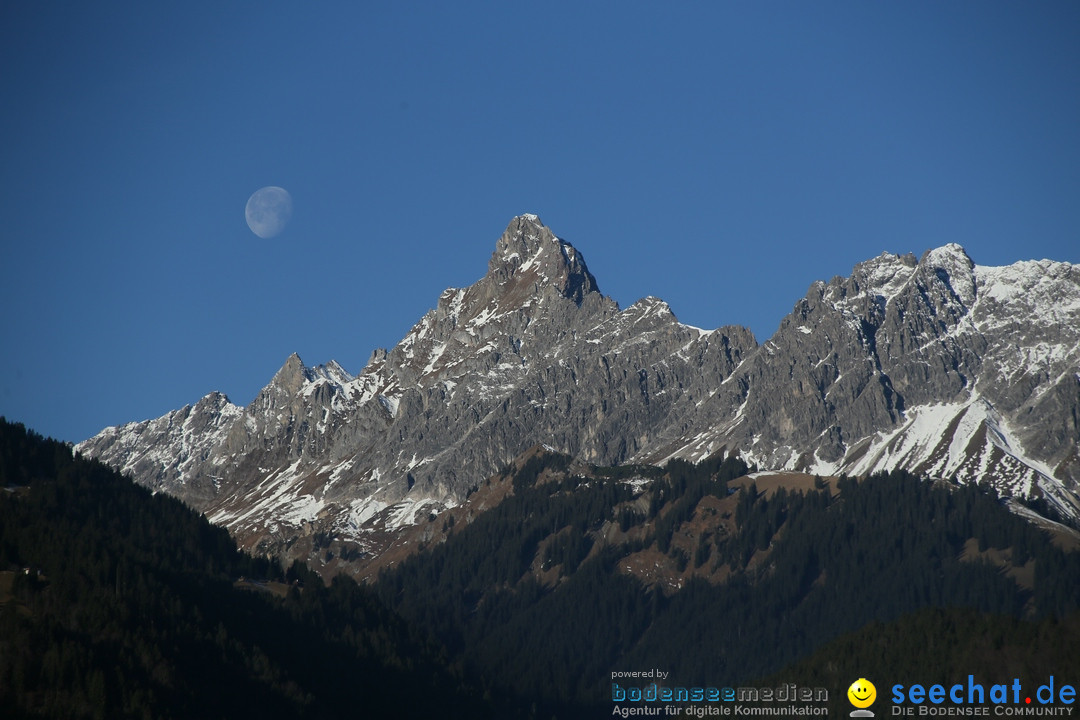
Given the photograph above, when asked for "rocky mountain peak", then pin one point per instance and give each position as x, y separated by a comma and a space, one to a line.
951, 266
529, 258
946, 255
884, 275
650, 308
933, 364
285, 384
537, 289
332, 372
292, 374
213, 401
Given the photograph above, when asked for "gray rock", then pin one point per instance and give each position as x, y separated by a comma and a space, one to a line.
935, 365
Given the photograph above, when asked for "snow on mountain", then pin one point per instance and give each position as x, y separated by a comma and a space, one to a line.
935, 364
165, 453
959, 371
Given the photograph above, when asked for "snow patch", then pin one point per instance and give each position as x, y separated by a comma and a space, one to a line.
637, 484
390, 403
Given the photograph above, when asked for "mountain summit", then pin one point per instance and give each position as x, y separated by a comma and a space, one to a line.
935, 365
529, 260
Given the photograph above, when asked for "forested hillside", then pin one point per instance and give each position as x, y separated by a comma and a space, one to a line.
117, 603
944, 645
548, 593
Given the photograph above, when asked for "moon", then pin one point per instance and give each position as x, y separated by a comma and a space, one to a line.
268, 210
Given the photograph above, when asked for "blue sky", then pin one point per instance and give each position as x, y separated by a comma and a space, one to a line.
719, 155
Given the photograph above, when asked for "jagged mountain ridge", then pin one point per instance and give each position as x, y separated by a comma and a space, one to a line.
934, 365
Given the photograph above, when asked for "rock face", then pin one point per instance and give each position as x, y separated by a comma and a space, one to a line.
934, 365
938, 366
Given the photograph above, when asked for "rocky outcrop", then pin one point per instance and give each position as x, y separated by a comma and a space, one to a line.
935, 365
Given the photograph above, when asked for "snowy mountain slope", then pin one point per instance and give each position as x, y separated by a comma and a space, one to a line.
164, 453
531, 350
936, 365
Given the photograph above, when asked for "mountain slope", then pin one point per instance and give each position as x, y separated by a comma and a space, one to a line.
934, 365
116, 603
711, 575
937, 366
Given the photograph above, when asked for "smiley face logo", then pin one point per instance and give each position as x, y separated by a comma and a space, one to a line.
862, 693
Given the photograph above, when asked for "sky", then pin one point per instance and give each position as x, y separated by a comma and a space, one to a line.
719, 155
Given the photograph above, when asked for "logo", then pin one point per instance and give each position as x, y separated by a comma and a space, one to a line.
862, 695
974, 698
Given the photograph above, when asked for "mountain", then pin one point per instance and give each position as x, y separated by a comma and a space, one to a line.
119, 603
572, 570
934, 365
